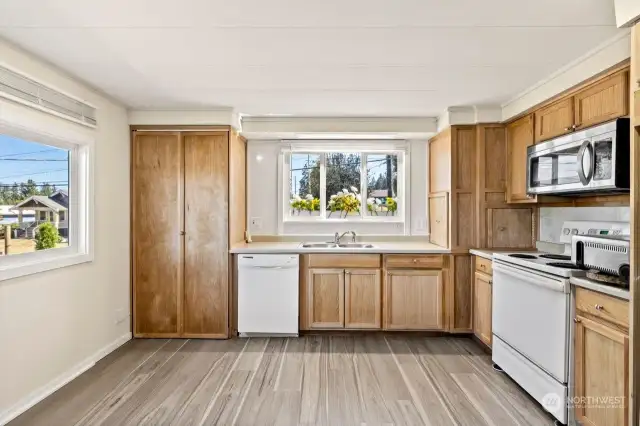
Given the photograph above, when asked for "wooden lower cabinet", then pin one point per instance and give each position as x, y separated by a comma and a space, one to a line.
325, 304
413, 300
362, 299
601, 358
482, 290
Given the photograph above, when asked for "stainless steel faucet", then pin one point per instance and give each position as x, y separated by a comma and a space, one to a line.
338, 237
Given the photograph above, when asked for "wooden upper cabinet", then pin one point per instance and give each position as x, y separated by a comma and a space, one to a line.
635, 59
413, 300
157, 200
554, 120
601, 360
439, 219
440, 162
519, 138
510, 228
363, 299
325, 304
206, 274
482, 307
602, 101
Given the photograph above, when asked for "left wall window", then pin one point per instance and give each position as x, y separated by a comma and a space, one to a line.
34, 196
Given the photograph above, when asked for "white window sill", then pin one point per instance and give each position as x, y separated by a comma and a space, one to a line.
54, 261
317, 219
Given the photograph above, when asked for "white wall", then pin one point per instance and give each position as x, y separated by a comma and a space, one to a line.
551, 218
56, 323
263, 195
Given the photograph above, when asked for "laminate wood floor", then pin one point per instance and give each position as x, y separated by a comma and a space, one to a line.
375, 379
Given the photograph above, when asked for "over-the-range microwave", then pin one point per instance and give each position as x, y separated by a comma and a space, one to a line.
594, 160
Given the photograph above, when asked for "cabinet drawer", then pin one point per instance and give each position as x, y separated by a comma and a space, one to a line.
344, 261
602, 306
431, 261
484, 265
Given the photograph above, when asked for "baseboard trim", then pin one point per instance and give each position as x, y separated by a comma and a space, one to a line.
41, 393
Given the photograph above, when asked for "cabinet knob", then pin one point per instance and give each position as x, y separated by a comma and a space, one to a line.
575, 126
415, 260
568, 129
599, 307
576, 320
183, 233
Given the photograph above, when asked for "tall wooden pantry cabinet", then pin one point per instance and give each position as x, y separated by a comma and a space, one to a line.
188, 206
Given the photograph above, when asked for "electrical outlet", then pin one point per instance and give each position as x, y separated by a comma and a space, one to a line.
256, 223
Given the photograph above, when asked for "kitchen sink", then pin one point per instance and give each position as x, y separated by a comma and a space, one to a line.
355, 245
319, 245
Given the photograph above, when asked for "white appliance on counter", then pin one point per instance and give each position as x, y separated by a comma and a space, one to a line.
531, 319
268, 294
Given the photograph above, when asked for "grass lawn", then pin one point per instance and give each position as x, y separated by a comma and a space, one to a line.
21, 245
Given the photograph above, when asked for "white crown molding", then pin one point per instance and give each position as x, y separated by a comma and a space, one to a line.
604, 56
469, 115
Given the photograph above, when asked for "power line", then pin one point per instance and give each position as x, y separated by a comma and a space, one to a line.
31, 159
36, 173
32, 152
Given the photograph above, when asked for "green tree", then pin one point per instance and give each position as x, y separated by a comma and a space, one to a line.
47, 237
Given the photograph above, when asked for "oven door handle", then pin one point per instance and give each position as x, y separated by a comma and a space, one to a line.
559, 285
585, 179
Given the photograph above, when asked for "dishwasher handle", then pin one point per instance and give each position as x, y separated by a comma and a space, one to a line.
560, 285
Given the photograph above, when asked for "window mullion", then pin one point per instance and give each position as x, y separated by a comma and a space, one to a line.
363, 185
323, 186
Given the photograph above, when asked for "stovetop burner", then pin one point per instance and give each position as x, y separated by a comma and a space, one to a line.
523, 256
565, 265
556, 256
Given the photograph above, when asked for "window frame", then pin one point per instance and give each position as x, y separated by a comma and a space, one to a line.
364, 149
80, 249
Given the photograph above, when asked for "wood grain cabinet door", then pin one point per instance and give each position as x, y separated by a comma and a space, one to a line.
602, 101
601, 359
206, 274
363, 299
510, 227
554, 120
325, 304
439, 219
157, 217
519, 138
482, 307
413, 300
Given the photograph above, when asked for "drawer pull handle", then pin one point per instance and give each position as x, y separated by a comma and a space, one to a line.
576, 320
415, 260
599, 307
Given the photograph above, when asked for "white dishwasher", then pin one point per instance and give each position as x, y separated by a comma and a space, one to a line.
268, 294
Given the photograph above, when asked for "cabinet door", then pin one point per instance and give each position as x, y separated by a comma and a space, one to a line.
413, 300
635, 60
602, 101
519, 137
206, 274
601, 359
363, 297
439, 219
510, 228
157, 221
554, 120
325, 305
482, 307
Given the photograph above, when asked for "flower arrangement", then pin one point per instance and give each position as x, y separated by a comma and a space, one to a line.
308, 203
374, 206
392, 205
345, 202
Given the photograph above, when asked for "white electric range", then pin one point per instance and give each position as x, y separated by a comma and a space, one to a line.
531, 318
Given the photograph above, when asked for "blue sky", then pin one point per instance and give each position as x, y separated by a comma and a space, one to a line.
21, 160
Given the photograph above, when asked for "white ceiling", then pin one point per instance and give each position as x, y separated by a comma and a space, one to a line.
309, 57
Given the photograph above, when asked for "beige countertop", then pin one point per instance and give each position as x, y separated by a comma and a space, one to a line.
410, 247
620, 292
487, 254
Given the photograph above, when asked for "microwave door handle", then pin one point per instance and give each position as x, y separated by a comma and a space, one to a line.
585, 179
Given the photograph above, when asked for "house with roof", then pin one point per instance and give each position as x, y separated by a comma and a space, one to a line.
53, 208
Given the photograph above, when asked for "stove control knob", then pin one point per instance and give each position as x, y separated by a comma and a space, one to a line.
566, 231
574, 231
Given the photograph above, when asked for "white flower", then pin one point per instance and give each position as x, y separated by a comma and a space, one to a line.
378, 201
344, 191
309, 197
297, 197
354, 189
370, 201
333, 197
340, 193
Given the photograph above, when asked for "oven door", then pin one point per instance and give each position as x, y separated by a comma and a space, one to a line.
562, 166
531, 315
